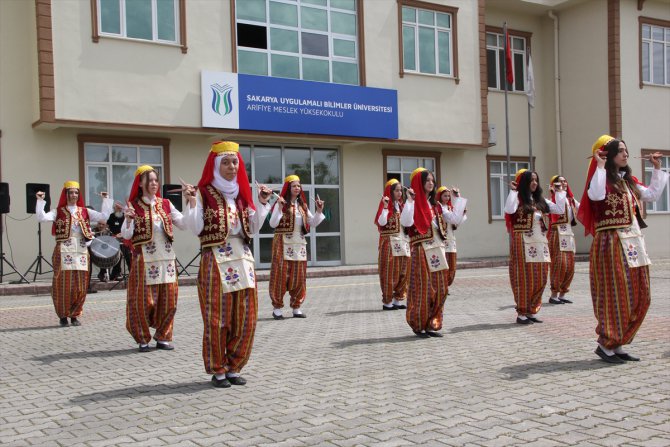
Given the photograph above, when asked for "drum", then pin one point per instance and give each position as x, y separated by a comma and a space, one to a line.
105, 251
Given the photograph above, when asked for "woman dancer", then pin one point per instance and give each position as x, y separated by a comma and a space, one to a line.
444, 199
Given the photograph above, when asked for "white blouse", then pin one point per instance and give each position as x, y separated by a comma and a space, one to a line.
598, 187
178, 219
93, 215
196, 221
453, 217
312, 220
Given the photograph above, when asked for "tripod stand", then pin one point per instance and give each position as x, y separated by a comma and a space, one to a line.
37, 263
183, 268
124, 273
3, 259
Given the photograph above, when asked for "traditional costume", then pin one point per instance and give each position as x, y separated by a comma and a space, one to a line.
152, 285
619, 264
72, 229
528, 254
562, 245
394, 251
225, 219
450, 242
429, 271
289, 250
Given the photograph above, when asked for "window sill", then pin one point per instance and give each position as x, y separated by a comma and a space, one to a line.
649, 84
143, 41
511, 92
430, 75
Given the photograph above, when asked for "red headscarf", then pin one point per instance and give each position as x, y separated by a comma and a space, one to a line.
135, 188
585, 214
422, 212
287, 184
222, 148
62, 201
387, 193
508, 217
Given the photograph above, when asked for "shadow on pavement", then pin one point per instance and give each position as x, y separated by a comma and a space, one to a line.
523, 371
34, 328
373, 341
48, 359
511, 306
159, 389
483, 327
347, 312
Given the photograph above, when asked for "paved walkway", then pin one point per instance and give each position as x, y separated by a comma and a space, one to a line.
347, 375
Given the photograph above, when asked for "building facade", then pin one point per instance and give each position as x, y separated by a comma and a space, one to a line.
91, 89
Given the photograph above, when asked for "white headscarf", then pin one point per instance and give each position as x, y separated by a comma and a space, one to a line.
228, 188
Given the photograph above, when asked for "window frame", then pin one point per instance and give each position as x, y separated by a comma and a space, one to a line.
180, 22
453, 12
411, 154
642, 21
503, 159
82, 140
358, 39
649, 208
527, 36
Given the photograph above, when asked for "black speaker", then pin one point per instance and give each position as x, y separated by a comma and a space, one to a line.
175, 197
31, 200
4, 198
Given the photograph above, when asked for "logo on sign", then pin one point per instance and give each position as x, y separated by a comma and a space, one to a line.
221, 102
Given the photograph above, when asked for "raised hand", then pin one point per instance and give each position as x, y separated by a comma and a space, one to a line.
385, 199
513, 185
319, 204
655, 159
130, 212
40, 195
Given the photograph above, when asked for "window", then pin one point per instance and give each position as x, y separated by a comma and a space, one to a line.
499, 183
495, 57
427, 39
110, 164
151, 20
401, 168
318, 169
655, 51
662, 205
312, 40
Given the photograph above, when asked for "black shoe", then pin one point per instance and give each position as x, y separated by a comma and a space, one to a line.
146, 348
220, 383
388, 308
553, 300
299, 316
565, 300
277, 317
535, 320
421, 334
75, 322
627, 357
63, 322
434, 334
164, 346
614, 359
399, 306
526, 321
237, 380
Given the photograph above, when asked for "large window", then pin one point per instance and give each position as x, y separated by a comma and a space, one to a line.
110, 164
655, 51
428, 38
499, 182
319, 172
313, 40
662, 205
495, 58
401, 167
152, 20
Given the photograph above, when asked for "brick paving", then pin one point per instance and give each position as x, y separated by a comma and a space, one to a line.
347, 375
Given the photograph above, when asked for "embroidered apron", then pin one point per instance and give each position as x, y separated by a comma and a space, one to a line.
74, 253
295, 246
535, 244
236, 265
400, 245
436, 257
159, 260
450, 243
632, 242
566, 238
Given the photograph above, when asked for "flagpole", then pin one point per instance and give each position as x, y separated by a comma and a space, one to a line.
530, 143
509, 160
530, 94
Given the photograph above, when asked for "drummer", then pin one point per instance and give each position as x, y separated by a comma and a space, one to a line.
113, 228
72, 228
152, 287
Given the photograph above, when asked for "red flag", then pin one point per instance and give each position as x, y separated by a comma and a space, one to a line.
508, 59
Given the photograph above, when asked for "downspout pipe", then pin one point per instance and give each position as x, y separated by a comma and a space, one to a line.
557, 96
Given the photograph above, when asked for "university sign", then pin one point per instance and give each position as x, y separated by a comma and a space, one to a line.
240, 101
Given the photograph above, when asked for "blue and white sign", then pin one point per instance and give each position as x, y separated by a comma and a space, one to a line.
240, 101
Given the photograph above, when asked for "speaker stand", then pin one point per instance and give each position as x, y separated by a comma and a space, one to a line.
37, 263
4, 260
183, 269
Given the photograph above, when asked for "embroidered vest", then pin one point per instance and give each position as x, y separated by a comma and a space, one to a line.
287, 222
63, 223
415, 237
616, 211
144, 229
560, 219
523, 221
219, 218
392, 225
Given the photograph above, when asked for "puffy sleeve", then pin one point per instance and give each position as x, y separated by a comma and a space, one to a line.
105, 211
178, 219
512, 202
316, 219
456, 216
383, 217
407, 215
653, 192
598, 186
258, 217
41, 215
194, 216
559, 206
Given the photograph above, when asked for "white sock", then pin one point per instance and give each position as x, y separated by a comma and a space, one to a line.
230, 375
619, 350
533, 315
522, 317
396, 302
388, 306
143, 346
277, 312
605, 350
162, 342
297, 312
220, 376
